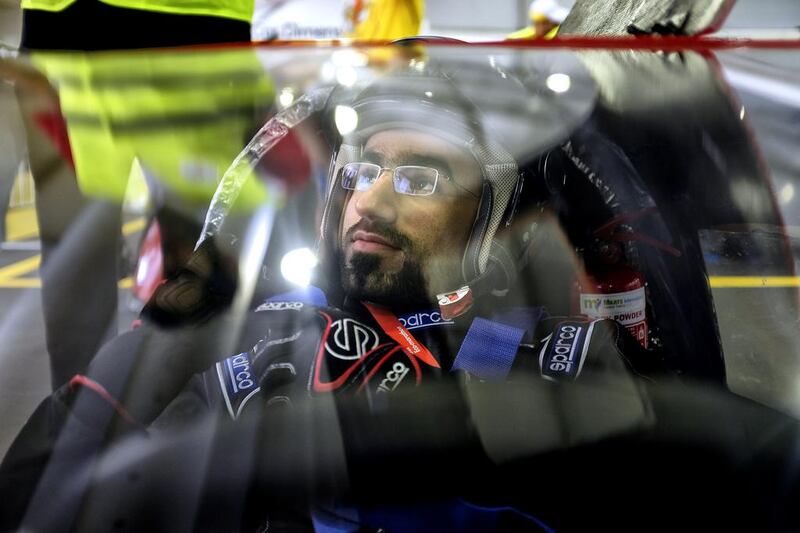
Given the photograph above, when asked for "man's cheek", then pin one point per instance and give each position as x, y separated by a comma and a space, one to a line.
343, 241
349, 219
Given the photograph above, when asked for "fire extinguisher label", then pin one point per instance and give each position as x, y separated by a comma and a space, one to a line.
627, 308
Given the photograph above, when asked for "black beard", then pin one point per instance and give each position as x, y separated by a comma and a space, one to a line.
363, 279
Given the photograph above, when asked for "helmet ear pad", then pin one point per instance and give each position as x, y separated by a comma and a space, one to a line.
512, 243
500, 270
470, 266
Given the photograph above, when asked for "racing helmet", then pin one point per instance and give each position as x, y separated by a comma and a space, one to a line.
505, 121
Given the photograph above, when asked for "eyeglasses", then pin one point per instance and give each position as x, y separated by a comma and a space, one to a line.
408, 179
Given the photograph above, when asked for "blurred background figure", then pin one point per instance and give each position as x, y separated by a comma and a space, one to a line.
545, 18
12, 146
378, 20
12, 143
81, 234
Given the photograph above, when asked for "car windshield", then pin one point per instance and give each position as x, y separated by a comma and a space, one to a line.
222, 265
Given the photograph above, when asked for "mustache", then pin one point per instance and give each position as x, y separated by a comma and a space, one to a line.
385, 231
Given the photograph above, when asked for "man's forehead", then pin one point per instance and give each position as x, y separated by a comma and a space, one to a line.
404, 144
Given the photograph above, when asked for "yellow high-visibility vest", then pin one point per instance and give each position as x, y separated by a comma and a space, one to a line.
231, 9
387, 20
184, 115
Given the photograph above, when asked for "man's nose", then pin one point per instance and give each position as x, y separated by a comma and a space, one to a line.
379, 201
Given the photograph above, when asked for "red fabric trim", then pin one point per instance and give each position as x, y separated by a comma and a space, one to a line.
378, 367
393, 328
647, 42
650, 42
338, 382
82, 381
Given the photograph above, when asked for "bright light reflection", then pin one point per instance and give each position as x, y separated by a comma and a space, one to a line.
350, 58
346, 76
346, 119
286, 97
328, 72
559, 83
787, 193
298, 266
742, 114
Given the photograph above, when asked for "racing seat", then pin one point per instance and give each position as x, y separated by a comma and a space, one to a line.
596, 196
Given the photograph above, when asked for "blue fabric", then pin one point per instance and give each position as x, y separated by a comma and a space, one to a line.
335, 520
489, 349
308, 295
454, 515
526, 318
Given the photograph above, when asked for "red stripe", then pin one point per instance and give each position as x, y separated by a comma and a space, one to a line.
642, 42
392, 326
646, 42
649, 42
82, 381
378, 367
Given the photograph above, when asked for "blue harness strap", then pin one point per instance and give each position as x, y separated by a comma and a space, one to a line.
488, 350
526, 318
490, 346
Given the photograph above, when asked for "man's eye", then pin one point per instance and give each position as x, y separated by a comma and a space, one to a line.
415, 180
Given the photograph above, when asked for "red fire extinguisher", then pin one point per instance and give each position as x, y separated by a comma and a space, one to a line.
617, 293
612, 288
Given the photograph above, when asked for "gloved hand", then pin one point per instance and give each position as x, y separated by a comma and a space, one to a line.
201, 289
637, 17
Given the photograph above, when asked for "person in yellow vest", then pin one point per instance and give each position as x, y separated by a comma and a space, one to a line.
79, 229
384, 20
127, 24
182, 115
545, 18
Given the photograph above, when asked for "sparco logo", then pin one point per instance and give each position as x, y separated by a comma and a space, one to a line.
423, 320
237, 381
561, 357
393, 377
239, 367
279, 306
350, 340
